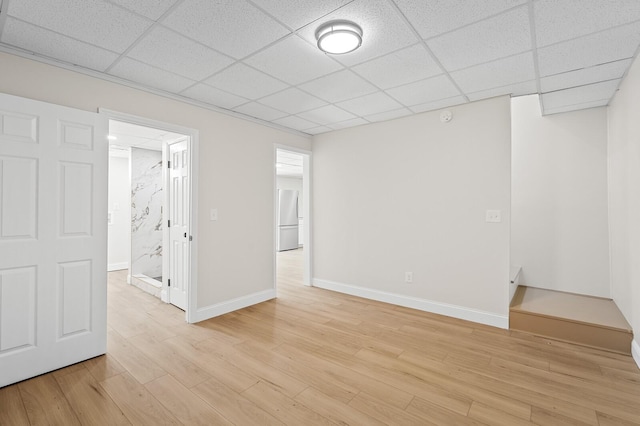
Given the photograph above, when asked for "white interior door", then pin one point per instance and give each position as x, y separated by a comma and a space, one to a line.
53, 237
179, 214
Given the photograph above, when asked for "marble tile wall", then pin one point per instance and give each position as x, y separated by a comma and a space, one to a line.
146, 212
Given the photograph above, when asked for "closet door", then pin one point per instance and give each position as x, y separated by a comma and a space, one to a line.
53, 237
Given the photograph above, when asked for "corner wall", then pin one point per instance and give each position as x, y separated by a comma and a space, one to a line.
235, 253
624, 200
559, 220
410, 195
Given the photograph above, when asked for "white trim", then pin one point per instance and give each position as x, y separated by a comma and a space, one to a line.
225, 307
482, 317
127, 83
635, 351
117, 266
193, 134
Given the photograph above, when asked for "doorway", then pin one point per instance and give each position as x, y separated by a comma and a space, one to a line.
158, 214
292, 225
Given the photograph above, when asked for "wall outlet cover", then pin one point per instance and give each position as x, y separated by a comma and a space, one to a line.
493, 216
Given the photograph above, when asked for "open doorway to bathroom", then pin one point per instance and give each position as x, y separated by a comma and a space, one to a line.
293, 217
149, 209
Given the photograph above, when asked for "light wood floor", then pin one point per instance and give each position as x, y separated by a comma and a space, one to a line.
317, 357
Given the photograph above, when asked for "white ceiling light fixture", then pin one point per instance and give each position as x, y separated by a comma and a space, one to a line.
339, 37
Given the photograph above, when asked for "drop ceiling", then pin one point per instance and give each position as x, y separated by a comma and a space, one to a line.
258, 58
125, 135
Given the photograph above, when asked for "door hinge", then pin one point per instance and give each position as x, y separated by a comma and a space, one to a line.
190, 237
169, 223
168, 164
168, 283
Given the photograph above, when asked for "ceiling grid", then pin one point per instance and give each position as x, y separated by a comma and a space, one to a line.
259, 58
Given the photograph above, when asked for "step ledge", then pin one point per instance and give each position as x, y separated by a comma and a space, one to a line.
589, 324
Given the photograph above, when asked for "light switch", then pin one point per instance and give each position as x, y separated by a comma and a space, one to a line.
116, 207
213, 214
494, 216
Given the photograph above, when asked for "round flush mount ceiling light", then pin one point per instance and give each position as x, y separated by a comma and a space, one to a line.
339, 37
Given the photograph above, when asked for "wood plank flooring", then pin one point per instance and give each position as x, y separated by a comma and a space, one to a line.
317, 357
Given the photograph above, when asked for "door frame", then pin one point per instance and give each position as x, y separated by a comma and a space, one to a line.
307, 234
193, 134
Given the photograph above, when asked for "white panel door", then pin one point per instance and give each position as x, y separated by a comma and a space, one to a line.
53, 234
179, 214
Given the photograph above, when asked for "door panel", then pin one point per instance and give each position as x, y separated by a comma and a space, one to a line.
18, 183
17, 309
53, 203
179, 231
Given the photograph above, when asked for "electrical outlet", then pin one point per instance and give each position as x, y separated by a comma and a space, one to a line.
493, 216
408, 277
213, 214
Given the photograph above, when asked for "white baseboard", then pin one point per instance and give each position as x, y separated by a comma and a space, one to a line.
488, 318
234, 304
117, 266
635, 351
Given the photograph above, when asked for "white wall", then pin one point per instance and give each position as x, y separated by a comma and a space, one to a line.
411, 195
624, 200
559, 221
229, 267
119, 247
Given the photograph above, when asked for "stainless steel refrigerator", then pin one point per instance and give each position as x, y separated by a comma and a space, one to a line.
287, 232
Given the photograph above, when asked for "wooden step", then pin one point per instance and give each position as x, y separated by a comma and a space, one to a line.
585, 320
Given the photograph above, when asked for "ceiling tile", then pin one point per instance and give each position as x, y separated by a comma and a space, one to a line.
349, 123
295, 122
518, 89
246, 81
497, 37
608, 71
326, 115
47, 43
608, 46
318, 130
262, 112
559, 20
383, 29
580, 95
339, 86
233, 27
93, 21
428, 90
310, 62
502, 72
404, 66
442, 103
569, 108
370, 104
152, 9
389, 115
292, 101
173, 52
434, 17
211, 95
149, 76
305, 11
